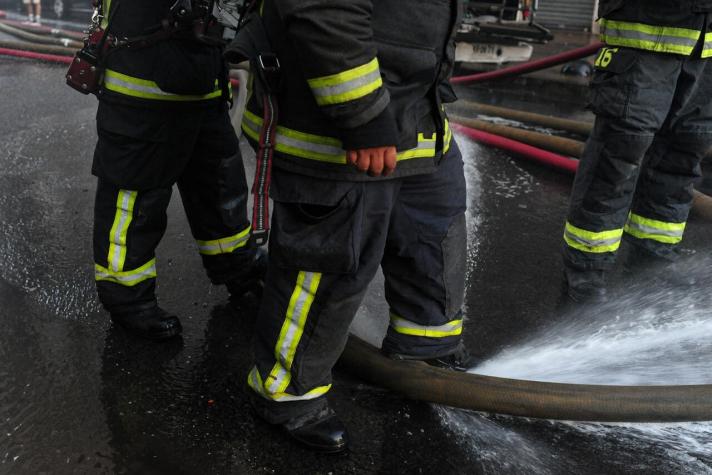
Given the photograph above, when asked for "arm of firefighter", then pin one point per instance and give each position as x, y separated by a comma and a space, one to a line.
334, 40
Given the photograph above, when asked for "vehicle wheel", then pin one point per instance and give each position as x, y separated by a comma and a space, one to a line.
59, 8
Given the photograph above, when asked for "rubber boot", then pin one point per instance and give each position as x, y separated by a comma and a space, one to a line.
668, 268
459, 360
585, 286
322, 431
150, 321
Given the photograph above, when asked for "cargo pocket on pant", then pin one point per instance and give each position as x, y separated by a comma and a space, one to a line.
317, 234
454, 249
610, 88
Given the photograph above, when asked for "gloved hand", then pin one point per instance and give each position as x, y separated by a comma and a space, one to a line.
376, 161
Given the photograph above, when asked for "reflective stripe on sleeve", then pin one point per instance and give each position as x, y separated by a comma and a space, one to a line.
591, 241
145, 89
347, 85
291, 332
224, 245
662, 39
406, 327
126, 278
254, 380
660, 231
125, 202
326, 149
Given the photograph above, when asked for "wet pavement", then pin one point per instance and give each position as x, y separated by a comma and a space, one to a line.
78, 396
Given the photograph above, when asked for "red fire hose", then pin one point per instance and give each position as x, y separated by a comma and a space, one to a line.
531, 66
53, 58
524, 150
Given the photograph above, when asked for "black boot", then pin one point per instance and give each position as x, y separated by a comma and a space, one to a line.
251, 281
150, 322
586, 286
667, 268
459, 360
321, 431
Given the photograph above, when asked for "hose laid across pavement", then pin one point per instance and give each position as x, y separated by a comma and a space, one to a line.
569, 147
45, 30
49, 50
41, 39
572, 402
567, 125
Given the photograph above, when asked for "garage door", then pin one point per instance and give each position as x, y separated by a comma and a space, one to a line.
569, 14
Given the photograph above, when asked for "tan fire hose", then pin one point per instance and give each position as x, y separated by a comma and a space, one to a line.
564, 146
573, 126
37, 48
572, 402
40, 39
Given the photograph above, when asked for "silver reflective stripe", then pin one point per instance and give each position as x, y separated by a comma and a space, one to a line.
126, 278
140, 88
296, 318
118, 239
641, 36
348, 86
655, 231
222, 246
308, 146
591, 243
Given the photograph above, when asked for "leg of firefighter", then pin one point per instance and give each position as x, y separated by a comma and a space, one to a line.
128, 225
665, 190
424, 265
326, 245
631, 100
214, 193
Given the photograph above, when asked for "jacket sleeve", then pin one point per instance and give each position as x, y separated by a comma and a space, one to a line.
334, 41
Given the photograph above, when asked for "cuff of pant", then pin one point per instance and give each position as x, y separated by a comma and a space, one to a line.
583, 261
288, 412
399, 346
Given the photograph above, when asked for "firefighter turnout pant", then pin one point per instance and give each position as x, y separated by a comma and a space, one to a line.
141, 153
328, 240
635, 180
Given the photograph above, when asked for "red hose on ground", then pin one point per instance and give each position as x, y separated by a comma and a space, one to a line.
2, 14
531, 66
536, 154
53, 58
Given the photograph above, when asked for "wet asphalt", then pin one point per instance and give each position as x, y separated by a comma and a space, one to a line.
79, 396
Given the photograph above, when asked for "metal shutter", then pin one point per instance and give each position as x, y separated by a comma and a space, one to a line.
569, 14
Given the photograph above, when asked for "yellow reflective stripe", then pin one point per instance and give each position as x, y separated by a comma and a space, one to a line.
292, 330
224, 245
117, 235
254, 380
660, 231
707, 48
327, 149
406, 327
591, 241
145, 89
126, 278
106, 8
347, 85
662, 39
448, 137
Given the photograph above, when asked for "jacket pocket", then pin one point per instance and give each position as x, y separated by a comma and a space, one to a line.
187, 67
610, 88
314, 229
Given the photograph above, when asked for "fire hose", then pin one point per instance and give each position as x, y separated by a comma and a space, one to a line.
44, 30
580, 402
40, 39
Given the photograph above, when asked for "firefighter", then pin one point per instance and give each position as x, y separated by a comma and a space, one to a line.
163, 120
652, 96
365, 174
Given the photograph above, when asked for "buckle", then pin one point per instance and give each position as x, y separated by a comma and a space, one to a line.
268, 62
260, 236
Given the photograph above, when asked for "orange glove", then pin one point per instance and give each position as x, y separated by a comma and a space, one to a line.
376, 161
